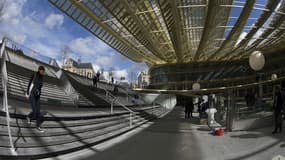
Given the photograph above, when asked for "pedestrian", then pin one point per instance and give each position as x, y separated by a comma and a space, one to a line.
33, 94
187, 110
189, 107
98, 76
211, 115
278, 107
95, 81
112, 80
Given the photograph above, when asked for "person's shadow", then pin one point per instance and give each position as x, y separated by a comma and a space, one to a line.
19, 131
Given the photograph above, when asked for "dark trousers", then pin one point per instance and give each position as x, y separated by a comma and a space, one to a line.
94, 84
36, 110
188, 114
278, 121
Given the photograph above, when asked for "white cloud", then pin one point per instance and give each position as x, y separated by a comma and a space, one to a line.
94, 50
30, 30
117, 74
83, 45
16, 26
104, 61
40, 31
13, 35
10, 18
12, 10
121, 73
54, 20
45, 50
89, 45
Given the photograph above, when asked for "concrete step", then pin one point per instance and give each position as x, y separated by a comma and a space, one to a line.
70, 120
69, 137
60, 128
66, 144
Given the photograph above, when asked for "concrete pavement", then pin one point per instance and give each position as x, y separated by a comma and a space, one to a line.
176, 138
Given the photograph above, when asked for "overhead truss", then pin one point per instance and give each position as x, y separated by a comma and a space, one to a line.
182, 31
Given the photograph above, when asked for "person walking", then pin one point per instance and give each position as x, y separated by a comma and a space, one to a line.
189, 107
95, 78
33, 94
187, 110
98, 76
112, 80
278, 107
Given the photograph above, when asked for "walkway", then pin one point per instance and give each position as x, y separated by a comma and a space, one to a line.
174, 138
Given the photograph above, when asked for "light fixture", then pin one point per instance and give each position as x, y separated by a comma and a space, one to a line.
196, 86
274, 76
256, 60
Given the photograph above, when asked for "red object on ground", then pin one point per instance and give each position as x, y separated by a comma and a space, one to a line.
220, 132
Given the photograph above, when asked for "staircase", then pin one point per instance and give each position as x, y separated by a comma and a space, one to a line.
68, 134
85, 87
84, 91
18, 79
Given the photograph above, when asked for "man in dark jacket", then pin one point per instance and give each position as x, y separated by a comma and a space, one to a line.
278, 106
34, 94
189, 107
98, 76
95, 81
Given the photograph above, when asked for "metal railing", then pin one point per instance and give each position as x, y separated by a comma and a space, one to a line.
113, 100
5, 99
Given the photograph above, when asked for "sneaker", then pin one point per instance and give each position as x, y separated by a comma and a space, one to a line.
29, 120
40, 130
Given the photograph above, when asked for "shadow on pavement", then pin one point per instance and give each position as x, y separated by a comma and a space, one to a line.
168, 138
250, 135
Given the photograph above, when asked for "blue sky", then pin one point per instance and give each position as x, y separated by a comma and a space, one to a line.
40, 26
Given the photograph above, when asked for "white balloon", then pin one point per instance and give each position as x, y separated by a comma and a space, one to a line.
196, 86
256, 60
274, 76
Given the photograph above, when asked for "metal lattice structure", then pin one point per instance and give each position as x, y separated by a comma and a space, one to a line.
179, 39
181, 31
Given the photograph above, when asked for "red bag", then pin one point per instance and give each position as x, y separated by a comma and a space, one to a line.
220, 132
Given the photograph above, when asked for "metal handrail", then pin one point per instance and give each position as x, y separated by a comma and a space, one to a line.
5, 99
114, 99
